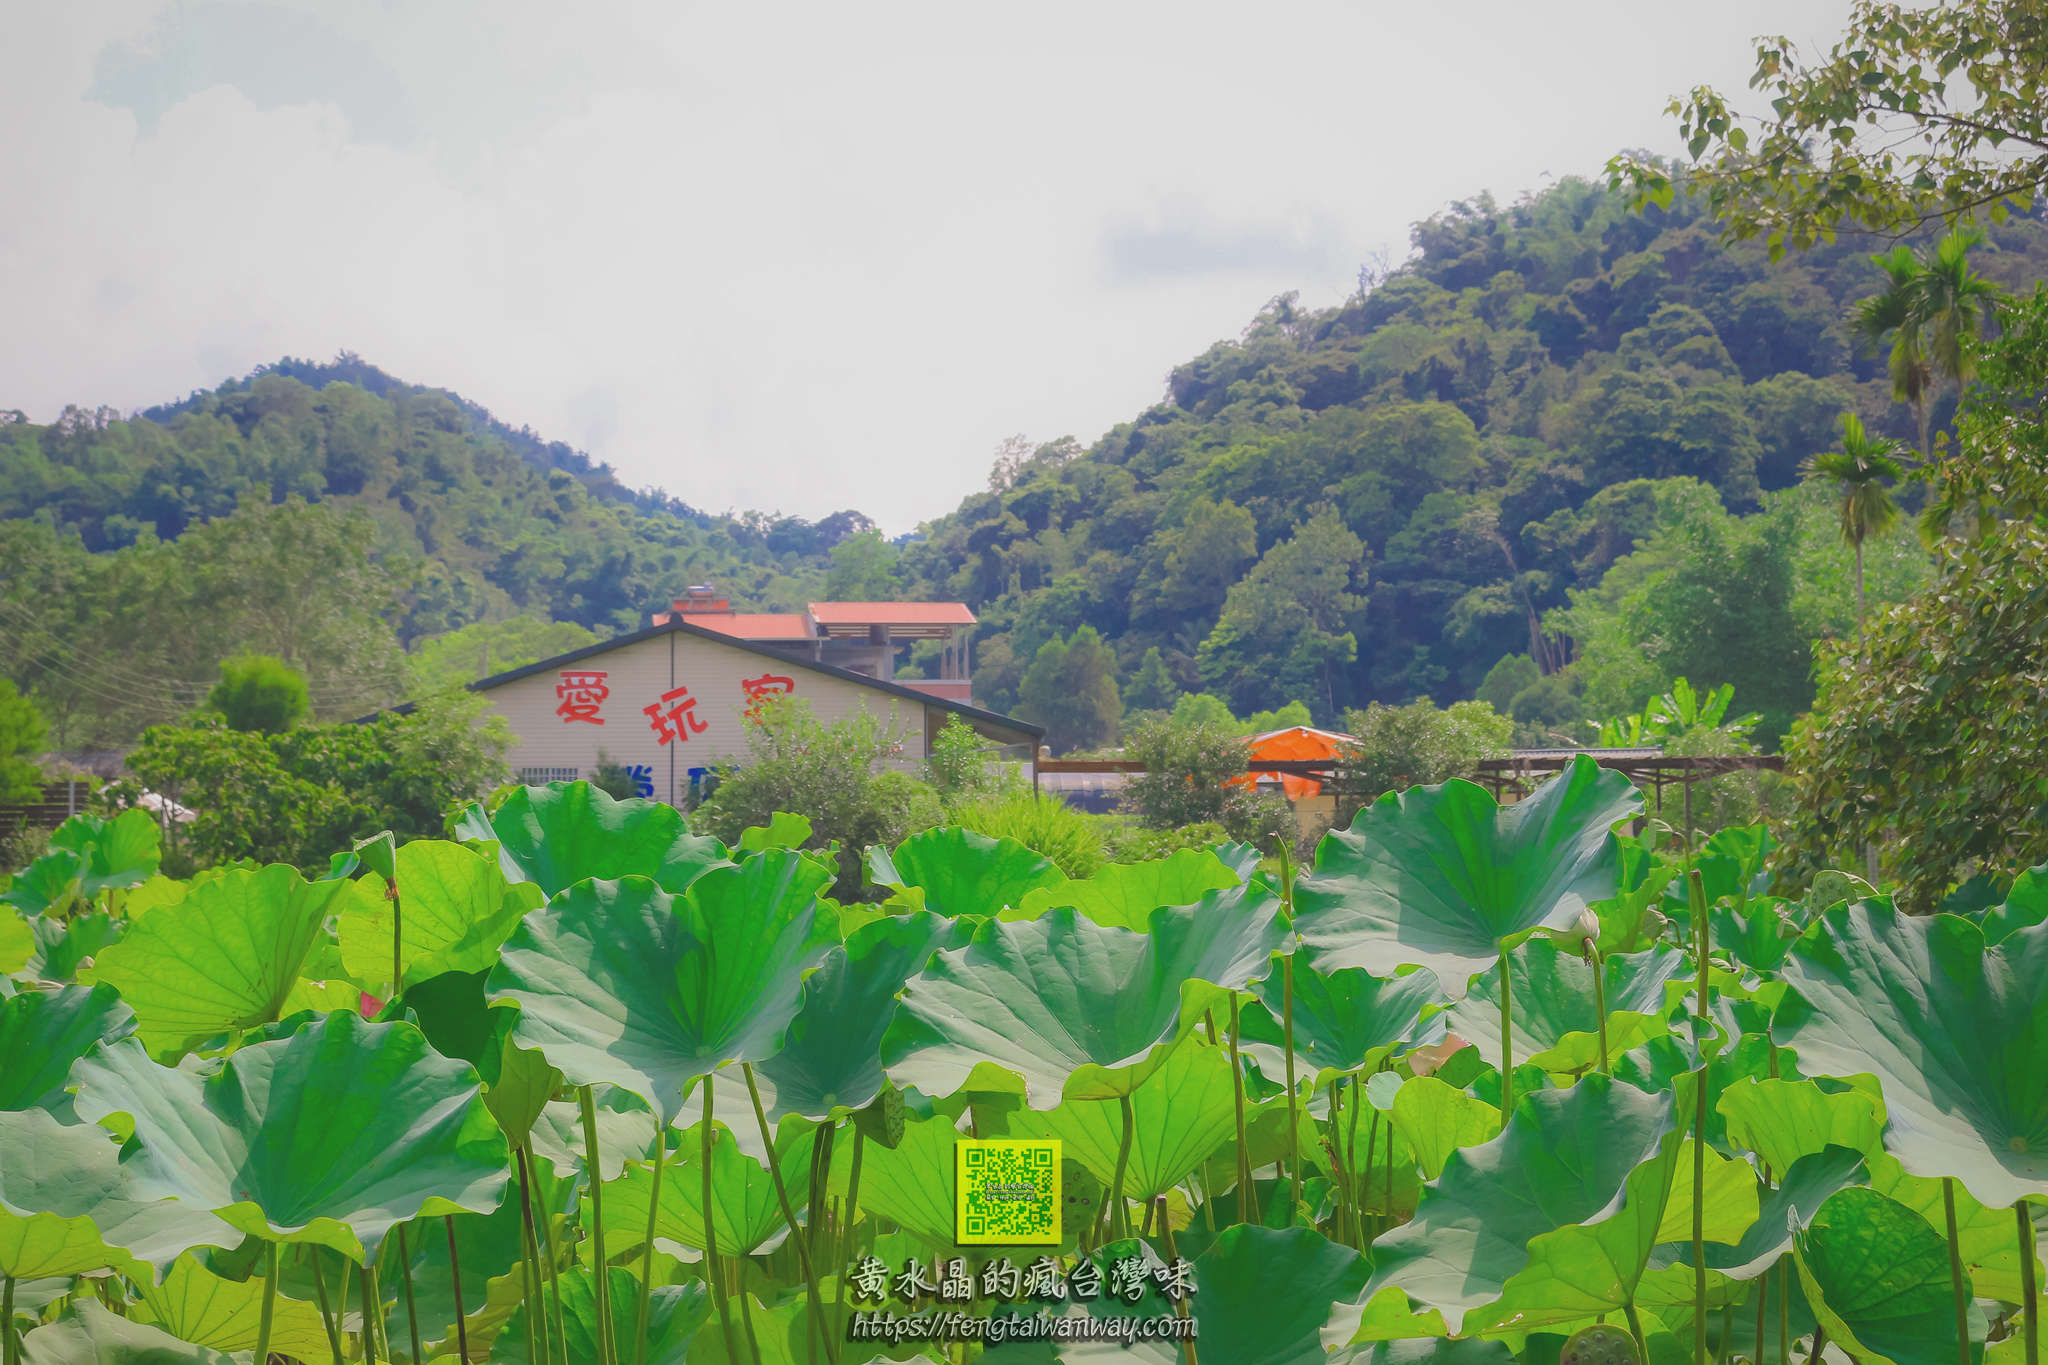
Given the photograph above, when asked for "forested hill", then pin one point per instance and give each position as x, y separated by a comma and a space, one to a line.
1550, 460
1386, 498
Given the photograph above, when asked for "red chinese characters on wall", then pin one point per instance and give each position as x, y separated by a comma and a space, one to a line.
581, 692
760, 689
674, 718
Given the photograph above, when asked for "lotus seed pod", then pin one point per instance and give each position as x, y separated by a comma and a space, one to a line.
1599, 1344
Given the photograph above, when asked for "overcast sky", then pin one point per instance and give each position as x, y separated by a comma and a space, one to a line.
794, 257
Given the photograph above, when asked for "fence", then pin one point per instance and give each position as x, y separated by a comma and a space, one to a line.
58, 803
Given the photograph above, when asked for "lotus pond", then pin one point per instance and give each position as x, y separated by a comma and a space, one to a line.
575, 1085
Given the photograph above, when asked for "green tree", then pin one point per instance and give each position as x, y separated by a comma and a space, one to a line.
1932, 307
1508, 676
1152, 688
863, 570
1915, 115
21, 738
1205, 708
258, 692
483, 648
1070, 688
1415, 745
1213, 544
1194, 774
1282, 633
835, 775
1863, 470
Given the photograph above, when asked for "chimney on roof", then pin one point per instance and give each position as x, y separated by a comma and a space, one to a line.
702, 600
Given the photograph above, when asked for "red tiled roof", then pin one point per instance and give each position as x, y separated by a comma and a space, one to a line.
743, 625
892, 614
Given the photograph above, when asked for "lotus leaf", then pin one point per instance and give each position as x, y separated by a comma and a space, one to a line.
1444, 877
623, 983
196, 1305
455, 911
1951, 1030
958, 872
675, 1315
1346, 1021
223, 959
1556, 1012
561, 835
332, 1136
744, 1210
1124, 895
95, 1336
1878, 1279
42, 1032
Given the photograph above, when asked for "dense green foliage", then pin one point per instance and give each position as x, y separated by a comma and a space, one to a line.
1416, 745
1385, 498
576, 1038
258, 692
21, 738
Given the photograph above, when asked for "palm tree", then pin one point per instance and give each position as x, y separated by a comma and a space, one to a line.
1862, 469
1893, 319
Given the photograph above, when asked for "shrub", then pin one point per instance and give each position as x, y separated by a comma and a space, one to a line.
612, 778
827, 774
1415, 745
1188, 781
1044, 824
958, 768
21, 737
258, 692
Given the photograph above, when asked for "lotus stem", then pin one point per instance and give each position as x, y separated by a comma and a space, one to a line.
1820, 1339
653, 1217
860, 1139
1635, 1329
593, 1178
455, 1277
1763, 1299
7, 1319
747, 1319
263, 1319
547, 1230
1390, 1172
2030, 1292
397, 960
1339, 1162
1247, 1198
1600, 1000
373, 1313
732, 1350
1293, 1122
1351, 1163
1507, 1049
1955, 1271
1180, 1305
1372, 1139
1696, 893
1784, 1312
1726, 1345
803, 1246
412, 1316
529, 1257
1119, 1220
326, 1306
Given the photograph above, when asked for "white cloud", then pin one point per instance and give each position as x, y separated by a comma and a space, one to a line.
796, 258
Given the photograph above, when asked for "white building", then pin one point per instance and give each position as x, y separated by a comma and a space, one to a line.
670, 702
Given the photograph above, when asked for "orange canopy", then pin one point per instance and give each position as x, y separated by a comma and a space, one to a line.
1296, 741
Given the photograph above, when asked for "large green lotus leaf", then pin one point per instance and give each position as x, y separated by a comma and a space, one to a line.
1953, 1032
50, 885
1580, 1272
1556, 1017
1878, 1279
196, 1305
17, 942
559, 836
2025, 906
94, 1336
830, 1061
1262, 1297
745, 1212
1436, 1120
1075, 1010
1565, 1159
65, 945
455, 911
66, 1206
1731, 864
625, 1129
114, 853
1985, 1237
1124, 895
960, 872
623, 983
1385, 1316
1441, 877
1181, 1115
910, 1184
1345, 1021
330, 1136
1779, 1210
42, 1032
1782, 1120
675, 1314
223, 959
